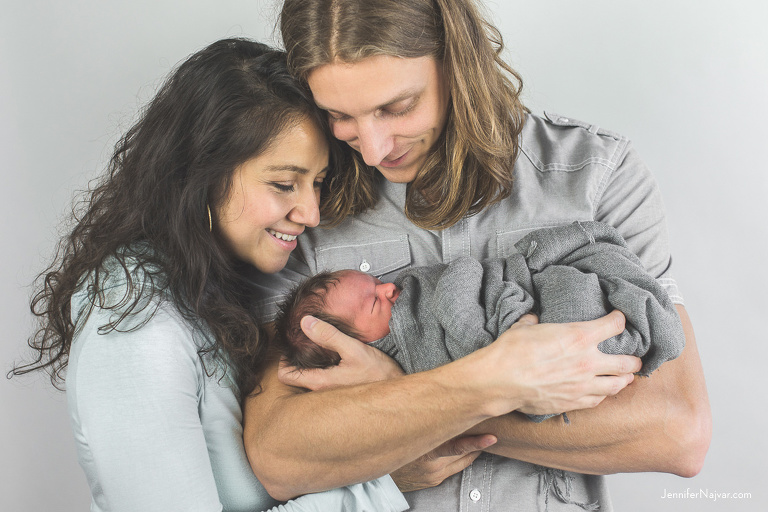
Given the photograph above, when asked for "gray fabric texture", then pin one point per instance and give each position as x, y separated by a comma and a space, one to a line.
571, 273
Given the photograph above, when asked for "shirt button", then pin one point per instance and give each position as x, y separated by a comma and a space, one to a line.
475, 495
365, 266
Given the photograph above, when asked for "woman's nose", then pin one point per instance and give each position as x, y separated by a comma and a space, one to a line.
306, 210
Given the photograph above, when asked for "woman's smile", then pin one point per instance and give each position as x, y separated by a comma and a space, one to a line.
274, 196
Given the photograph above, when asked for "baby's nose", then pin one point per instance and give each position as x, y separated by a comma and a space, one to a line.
389, 290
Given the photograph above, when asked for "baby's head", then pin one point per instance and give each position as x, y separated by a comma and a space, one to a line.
356, 303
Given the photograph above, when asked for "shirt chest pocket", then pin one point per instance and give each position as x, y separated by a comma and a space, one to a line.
505, 241
380, 258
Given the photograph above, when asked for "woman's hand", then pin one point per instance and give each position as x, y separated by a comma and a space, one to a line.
360, 363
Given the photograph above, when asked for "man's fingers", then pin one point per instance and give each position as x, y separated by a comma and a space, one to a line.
603, 387
620, 365
324, 334
608, 325
461, 446
447, 459
297, 377
525, 320
285, 369
317, 330
459, 464
611, 385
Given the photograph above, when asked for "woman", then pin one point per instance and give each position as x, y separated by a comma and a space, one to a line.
448, 163
148, 305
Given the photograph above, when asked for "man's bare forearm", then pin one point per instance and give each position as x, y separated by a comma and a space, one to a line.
305, 442
296, 445
658, 423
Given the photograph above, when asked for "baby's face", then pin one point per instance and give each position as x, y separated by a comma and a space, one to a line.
364, 302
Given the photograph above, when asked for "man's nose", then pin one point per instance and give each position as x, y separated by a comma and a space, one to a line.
374, 141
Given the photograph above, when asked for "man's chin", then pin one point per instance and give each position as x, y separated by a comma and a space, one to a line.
405, 175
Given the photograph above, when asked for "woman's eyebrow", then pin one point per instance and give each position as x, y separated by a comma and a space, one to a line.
292, 168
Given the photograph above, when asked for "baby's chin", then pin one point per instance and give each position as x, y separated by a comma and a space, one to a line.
372, 338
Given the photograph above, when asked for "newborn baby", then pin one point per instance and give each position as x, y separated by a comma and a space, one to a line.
433, 315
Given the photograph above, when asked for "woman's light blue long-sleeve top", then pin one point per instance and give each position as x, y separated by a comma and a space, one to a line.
156, 429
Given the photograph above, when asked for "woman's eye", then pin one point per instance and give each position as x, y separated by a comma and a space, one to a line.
319, 184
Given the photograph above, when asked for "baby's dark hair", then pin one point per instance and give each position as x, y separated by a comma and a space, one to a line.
308, 298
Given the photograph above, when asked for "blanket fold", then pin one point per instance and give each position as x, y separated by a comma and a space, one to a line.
571, 273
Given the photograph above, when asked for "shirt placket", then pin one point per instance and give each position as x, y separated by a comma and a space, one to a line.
476, 485
455, 240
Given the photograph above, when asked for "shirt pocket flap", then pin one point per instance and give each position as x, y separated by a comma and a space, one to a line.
374, 257
505, 241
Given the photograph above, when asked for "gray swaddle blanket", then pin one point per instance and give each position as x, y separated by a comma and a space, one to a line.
577, 272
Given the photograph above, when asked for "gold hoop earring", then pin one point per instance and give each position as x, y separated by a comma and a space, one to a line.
210, 219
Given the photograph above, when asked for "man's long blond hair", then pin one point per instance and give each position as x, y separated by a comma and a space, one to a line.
470, 166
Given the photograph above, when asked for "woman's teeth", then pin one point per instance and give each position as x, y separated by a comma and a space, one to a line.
281, 236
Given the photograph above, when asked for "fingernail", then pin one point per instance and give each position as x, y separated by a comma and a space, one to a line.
308, 322
488, 441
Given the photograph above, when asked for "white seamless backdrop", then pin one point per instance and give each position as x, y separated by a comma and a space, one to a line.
686, 80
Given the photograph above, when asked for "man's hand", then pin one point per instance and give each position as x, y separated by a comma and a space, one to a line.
554, 368
447, 459
662, 423
360, 363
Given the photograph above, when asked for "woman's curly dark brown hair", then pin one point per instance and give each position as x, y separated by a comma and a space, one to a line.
148, 216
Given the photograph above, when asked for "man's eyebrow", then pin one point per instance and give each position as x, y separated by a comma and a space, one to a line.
404, 95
